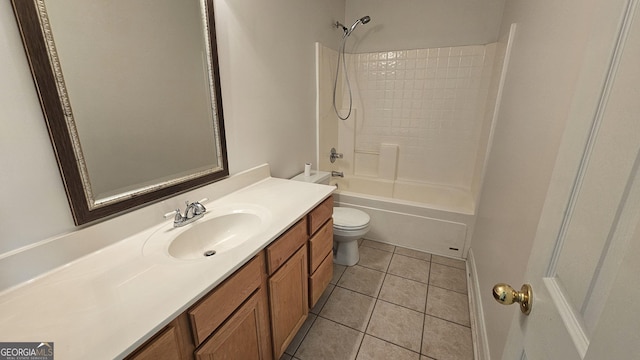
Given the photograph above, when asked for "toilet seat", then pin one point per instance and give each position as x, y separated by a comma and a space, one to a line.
350, 228
349, 219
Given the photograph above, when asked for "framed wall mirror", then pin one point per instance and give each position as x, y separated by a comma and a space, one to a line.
130, 92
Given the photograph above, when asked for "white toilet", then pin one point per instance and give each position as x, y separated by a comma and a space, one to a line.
349, 225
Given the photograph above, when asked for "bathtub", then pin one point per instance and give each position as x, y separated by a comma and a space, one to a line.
419, 216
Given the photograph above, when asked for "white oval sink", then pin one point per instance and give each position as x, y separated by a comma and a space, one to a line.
214, 235
218, 231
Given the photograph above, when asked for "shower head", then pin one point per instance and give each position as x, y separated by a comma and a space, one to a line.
363, 20
347, 32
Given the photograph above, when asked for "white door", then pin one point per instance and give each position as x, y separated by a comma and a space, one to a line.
584, 263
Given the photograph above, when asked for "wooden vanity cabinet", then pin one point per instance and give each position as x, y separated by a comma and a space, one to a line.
171, 343
320, 230
256, 312
245, 335
232, 322
214, 308
319, 215
288, 293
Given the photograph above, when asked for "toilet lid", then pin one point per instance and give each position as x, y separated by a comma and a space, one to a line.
348, 218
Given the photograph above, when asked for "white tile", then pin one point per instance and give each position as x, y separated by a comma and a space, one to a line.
421, 77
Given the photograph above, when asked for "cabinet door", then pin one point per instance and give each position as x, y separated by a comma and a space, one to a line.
164, 346
171, 343
244, 336
288, 298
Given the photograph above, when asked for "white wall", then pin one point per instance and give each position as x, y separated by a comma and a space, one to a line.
34, 205
417, 24
327, 61
267, 66
550, 48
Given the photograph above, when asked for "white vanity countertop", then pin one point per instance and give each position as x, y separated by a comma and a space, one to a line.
106, 304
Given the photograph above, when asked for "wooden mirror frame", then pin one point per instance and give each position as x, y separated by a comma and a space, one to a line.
34, 40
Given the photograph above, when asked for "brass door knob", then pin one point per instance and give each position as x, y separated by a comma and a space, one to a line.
506, 295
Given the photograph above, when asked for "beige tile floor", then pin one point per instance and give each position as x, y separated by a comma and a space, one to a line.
395, 303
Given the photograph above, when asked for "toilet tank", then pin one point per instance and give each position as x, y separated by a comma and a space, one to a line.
318, 177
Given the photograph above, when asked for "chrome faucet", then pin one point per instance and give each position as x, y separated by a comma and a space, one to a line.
193, 212
337, 174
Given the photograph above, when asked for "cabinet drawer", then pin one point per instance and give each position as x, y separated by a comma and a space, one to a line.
320, 245
213, 309
319, 280
244, 336
320, 215
286, 245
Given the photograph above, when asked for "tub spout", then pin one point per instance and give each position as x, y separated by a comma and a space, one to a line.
337, 174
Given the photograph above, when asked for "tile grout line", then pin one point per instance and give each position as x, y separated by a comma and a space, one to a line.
357, 292
303, 337
406, 278
443, 319
376, 303
371, 315
454, 267
377, 300
426, 300
368, 267
394, 344
444, 288
413, 257
396, 247
343, 325
400, 305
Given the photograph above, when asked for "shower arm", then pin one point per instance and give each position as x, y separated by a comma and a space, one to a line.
345, 30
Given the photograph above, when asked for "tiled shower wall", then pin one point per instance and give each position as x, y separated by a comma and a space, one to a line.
429, 102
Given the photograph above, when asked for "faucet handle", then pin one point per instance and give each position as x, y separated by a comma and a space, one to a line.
335, 155
201, 201
198, 208
174, 214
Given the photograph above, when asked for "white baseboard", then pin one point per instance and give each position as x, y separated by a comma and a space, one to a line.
479, 330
